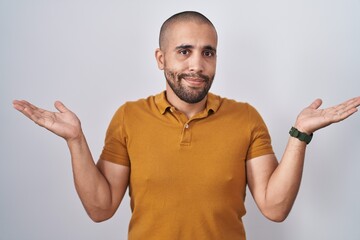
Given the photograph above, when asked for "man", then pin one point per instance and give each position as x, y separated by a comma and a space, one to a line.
187, 154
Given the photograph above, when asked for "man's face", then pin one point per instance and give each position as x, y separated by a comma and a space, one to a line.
188, 59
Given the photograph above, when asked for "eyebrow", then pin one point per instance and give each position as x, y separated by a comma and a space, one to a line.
188, 46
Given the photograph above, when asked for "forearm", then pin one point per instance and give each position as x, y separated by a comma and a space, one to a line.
284, 182
98, 197
91, 185
274, 185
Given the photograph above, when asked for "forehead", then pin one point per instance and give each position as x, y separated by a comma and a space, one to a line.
192, 33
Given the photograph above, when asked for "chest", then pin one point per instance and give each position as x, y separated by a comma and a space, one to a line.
205, 158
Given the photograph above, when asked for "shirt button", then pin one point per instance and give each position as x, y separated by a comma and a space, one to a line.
186, 125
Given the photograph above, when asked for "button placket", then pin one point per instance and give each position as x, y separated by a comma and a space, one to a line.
186, 135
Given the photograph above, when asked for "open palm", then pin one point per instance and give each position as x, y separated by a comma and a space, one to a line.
63, 123
312, 118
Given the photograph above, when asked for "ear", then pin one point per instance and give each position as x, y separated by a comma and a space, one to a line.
159, 55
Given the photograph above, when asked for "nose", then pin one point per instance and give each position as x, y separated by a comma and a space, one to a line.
196, 63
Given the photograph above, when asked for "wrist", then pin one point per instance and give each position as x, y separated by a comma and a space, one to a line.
78, 139
299, 126
302, 136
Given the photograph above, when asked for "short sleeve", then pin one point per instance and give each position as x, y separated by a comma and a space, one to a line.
115, 149
260, 142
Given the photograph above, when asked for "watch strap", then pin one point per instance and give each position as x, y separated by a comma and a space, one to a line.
294, 132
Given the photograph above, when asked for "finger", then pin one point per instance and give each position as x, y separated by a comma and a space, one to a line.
24, 107
340, 116
20, 105
352, 103
316, 104
31, 111
347, 108
61, 107
347, 112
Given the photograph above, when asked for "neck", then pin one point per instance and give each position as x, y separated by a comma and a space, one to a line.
189, 109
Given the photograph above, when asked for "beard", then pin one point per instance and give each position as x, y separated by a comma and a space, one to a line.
185, 93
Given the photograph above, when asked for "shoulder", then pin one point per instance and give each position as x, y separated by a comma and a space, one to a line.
134, 105
142, 102
237, 111
137, 108
232, 105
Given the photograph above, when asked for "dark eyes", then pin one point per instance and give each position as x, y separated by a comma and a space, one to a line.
206, 53
184, 52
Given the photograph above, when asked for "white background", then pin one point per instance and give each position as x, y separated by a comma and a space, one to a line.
95, 55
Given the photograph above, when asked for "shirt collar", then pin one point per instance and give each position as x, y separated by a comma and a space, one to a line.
161, 102
212, 103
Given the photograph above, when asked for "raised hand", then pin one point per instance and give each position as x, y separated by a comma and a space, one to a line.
63, 123
312, 118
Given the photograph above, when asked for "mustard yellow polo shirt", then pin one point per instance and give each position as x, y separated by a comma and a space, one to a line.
188, 176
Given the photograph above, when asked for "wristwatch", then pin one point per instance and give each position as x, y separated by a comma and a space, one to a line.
300, 135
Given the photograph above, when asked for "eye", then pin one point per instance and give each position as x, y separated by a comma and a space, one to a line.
208, 53
184, 52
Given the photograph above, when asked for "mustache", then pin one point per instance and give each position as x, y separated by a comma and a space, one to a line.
203, 77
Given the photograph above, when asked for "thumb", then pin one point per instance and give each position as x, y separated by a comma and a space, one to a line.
61, 107
316, 104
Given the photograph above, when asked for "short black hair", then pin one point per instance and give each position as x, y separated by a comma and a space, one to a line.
186, 16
